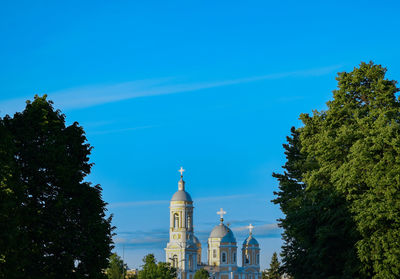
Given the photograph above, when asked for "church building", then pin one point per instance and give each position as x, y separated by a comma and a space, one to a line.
183, 250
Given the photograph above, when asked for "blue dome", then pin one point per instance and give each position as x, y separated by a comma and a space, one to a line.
223, 232
250, 241
181, 196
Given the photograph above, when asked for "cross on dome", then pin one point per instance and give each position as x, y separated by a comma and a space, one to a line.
181, 171
250, 227
221, 213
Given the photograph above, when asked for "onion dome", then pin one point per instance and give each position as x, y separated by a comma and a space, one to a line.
250, 241
223, 232
181, 196
196, 240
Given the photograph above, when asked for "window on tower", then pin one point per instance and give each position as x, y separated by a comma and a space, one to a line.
234, 257
176, 220
214, 253
190, 262
223, 256
189, 222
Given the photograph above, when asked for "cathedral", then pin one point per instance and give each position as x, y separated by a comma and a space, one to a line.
183, 250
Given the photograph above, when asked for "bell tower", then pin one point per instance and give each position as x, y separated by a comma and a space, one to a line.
182, 248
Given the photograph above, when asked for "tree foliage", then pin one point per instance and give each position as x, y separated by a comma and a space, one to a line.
116, 268
274, 270
201, 274
347, 174
318, 228
153, 270
53, 222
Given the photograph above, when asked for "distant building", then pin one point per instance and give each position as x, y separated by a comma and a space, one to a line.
132, 272
183, 250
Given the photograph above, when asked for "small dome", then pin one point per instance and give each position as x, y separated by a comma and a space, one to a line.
196, 241
223, 232
181, 196
250, 241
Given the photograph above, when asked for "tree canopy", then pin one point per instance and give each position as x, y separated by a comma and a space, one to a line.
318, 229
201, 274
116, 268
340, 188
153, 270
53, 222
274, 271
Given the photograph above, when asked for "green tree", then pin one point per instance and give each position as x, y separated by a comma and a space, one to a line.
10, 197
273, 272
149, 268
116, 268
55, 220
153, 270
201, 274
319, 234
356, 143
347, 176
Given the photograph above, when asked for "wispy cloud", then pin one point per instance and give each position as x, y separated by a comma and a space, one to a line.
260, 231
219, 198
137, 203
245, 222
155, 202
82, 97
158, 238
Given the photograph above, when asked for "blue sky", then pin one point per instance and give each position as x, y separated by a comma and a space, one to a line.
213, 86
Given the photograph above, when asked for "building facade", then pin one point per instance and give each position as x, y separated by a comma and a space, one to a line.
183, 250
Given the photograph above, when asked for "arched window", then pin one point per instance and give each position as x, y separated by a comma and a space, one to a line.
214, 253
190, 262
234, 257
258, 258
223, 257
176, 220
189, 222
246, 259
